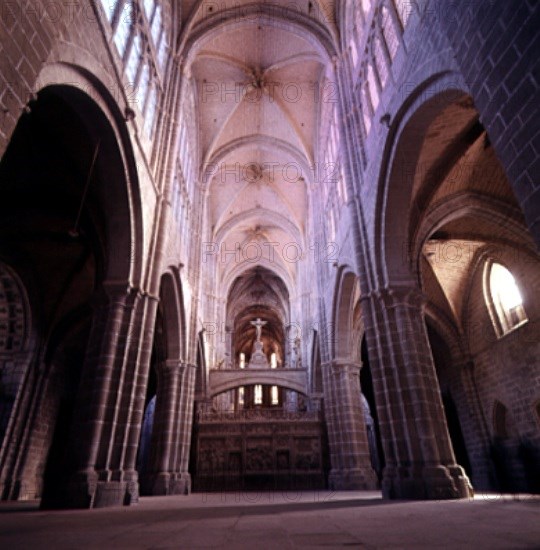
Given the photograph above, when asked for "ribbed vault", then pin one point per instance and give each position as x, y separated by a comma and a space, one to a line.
259, 70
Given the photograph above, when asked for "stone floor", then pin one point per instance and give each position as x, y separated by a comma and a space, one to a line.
279, 520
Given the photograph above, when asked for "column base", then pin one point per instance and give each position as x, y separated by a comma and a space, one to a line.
20, 490
181, 485
116, 493
77, 492
353, 479
86, 491
425, 483
165, 483
461, 481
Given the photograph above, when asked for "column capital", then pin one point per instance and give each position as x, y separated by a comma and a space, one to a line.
116, 291
345, 365
398, 295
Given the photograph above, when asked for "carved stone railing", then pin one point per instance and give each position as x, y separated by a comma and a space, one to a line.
258, 415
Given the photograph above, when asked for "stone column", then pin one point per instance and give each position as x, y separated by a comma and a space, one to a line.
128, 437
164, 440
420, 462
99, 393
418, 453
349, 448
182, 484
171, 434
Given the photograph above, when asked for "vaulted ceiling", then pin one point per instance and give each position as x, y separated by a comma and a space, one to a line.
258, 69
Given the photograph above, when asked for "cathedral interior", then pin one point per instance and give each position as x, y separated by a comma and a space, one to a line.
268, 245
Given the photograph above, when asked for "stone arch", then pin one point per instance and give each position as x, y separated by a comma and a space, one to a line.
472, 205
102, 115
342, 337
400, 158
273, 267
349, 447
264, 142
259, 214
314, 32
168, 410
174, 315
258, 292
69, 197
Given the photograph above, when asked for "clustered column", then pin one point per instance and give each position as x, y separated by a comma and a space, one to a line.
172, 429
349, 448
102, 419
420, 462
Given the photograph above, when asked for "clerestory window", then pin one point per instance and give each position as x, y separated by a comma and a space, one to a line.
140, 34
503, 298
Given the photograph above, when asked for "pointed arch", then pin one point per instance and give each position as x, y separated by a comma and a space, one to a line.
400, 157
89, 96
174, 315
342, 337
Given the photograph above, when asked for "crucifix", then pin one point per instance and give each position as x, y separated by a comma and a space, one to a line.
258, 324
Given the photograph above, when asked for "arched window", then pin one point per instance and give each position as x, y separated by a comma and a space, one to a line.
366, 109
139, 29
123, 19
404, 9
503, 299
389, 32
109, 6
258, 395
372, 87
274, 394
273, 361
134, 59
354, 53
242, 361
369, 96
359, 19
380, 61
